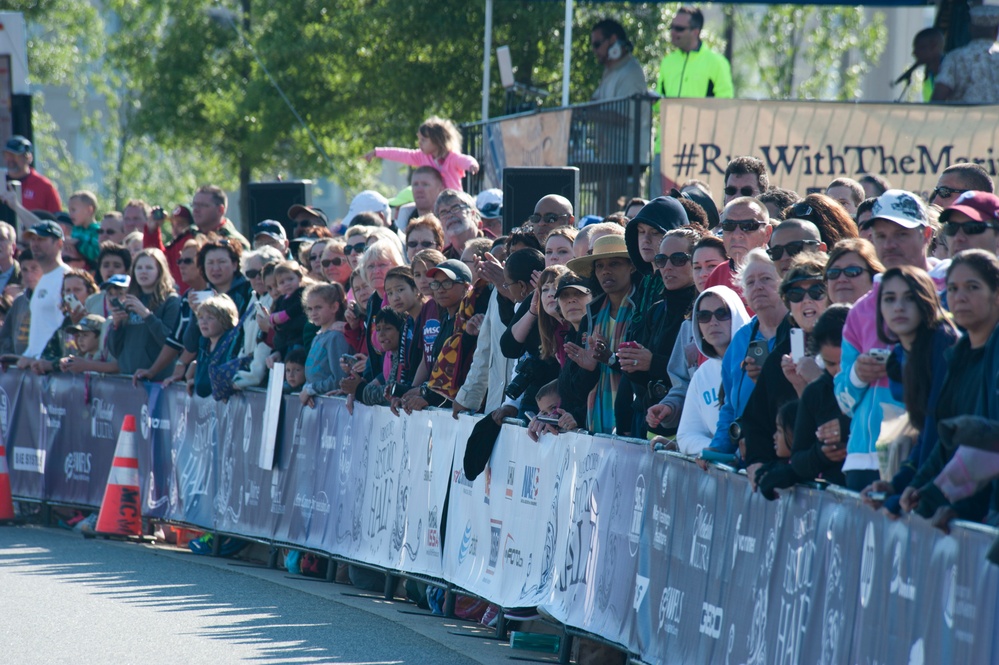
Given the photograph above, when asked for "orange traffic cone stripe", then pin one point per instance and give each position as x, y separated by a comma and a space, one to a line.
6, 498
121, 513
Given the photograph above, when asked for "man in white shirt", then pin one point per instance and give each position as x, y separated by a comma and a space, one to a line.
46, 240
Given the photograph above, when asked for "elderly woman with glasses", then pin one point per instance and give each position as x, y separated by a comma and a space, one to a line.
785, 373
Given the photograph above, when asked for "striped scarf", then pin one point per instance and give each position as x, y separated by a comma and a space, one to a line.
600, 415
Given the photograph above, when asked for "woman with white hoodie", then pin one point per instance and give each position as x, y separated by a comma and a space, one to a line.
718, 313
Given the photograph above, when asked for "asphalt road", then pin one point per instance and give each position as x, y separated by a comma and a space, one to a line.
70, 600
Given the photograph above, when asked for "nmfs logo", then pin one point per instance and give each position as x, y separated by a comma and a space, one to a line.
531, 485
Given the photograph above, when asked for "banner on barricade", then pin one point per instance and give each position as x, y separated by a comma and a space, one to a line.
805, 145
645, 550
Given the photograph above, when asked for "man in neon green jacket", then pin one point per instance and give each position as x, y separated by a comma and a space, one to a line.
690, 70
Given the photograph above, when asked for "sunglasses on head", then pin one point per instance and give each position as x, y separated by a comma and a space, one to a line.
721, 314
425, 244
185, 262
946, 192
801, 209
679, 259
335, 261
744, 225
792, 248
355, 249
969, 228
796, 294
744, 191
850, 271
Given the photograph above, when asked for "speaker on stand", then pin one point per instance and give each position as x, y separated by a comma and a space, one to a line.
523, 187
271, 200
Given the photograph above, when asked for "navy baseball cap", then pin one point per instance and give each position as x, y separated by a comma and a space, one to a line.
47, 229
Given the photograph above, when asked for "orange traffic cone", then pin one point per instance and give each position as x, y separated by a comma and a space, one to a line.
6, 498
120, 510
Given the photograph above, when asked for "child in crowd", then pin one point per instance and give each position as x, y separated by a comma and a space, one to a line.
86, 230
91, 356
550, 406
288, 317
355, 331
440, 147
389, 326
216, 317
784, 435
324, 305
294, 370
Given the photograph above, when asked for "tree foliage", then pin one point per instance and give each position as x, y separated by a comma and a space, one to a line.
192, 89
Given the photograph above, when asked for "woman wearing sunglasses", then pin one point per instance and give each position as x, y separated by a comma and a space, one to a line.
784, 378
850, 270
334, 263
718, 313
645, 363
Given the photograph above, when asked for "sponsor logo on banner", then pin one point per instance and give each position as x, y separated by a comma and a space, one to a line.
251, 497
512, 555
148, 423
101, 418
495, 534
959, 602
903, 588
4, 413
670, 610
433, 531
712, 617
277, 496
641, 588
77, 466
384, 482
741, 543
489, 483
581, 545
428, 473
511, 478
29, 459
531, 486
638, 510
700, 546
867, 563
319, 503
469, 544
459, 478
52, 415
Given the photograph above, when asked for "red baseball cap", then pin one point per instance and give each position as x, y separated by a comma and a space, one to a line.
979, 206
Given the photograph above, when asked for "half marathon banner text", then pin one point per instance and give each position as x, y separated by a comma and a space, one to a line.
805, 145
645, 550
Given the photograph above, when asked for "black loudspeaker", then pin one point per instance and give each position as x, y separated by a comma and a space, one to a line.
20, 112
523, 187
271, 200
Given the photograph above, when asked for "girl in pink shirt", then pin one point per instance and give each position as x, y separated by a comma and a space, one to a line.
440, 147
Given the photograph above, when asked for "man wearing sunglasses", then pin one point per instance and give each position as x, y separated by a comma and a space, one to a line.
691, 69
550, 212
745, 225
972, 222
745, 176
958, 179
790, 238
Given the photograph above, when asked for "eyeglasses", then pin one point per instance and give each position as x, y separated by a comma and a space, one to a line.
745, 191
547, 218
425, 244
946, 192
187, 262
107, 232
969, 228
596, 45
679, 259
679, 28
850, 271
744, 225
721, 314
307, 222
796, 294
456, 209
252, 273
335, 261
441, 285
792, 248
357, 248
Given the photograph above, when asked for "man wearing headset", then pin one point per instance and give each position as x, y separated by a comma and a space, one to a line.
623, 76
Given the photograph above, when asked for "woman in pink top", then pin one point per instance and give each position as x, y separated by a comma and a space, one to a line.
440, 147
